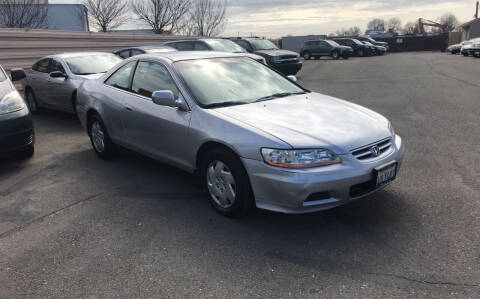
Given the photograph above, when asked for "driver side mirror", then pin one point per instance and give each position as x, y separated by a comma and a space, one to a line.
58, 74
17, 74
292, 78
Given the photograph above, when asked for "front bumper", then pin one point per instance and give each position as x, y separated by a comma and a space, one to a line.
16, 132
316, 189
288, 68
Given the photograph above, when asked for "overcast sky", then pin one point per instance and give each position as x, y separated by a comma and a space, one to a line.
276, 18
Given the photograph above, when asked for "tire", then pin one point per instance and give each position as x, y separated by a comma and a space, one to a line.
28, 153
465, 54
226, 183
307, 55
335, 55
32, 102
101, 142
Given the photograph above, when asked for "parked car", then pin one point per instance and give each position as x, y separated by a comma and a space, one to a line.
454, 49
255, 137
377, 50
213, 44
372, 41
359, 49
475, 50
129, 52
16, 126
319, 48
284, 61
52, 82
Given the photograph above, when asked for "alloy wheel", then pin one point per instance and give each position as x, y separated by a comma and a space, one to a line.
221, 184
98, 137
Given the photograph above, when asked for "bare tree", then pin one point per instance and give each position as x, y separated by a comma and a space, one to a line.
162, 15
377, 25
352, 31
106, 14
394, 25
411, 28
449, 20
205, 18
23, 14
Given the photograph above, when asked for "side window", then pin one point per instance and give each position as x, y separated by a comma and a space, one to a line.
243, 44
56, 66
200, 46
150, 77
185, 46
124, 54
121, 78
42, 65
136, 52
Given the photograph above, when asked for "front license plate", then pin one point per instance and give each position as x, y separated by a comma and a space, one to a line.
386, 174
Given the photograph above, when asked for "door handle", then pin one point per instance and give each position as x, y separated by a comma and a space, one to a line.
128, 108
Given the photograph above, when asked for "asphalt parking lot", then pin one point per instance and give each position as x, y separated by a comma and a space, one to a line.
73, 225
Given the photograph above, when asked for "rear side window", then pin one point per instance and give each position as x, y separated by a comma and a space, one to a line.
41, 66
185, 46
121, 78
124, 54
150, 77
199, 46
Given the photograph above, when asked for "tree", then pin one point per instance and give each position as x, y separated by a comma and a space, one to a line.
23, 14
106, 14
352, 31
162, 15
411, 28
205, 18
449, 20
394, 25
376, 25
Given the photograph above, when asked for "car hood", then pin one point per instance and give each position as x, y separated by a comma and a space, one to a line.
91, 77
5, 88
313, 121
276, 53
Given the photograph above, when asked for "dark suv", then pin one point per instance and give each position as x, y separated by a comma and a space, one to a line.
286, 62
318, 48
359, 49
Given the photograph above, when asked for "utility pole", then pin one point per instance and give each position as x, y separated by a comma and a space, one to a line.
476, 11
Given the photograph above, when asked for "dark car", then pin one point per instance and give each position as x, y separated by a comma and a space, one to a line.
372, 41
359, 49
378, 50
319, 48
129, 52
212, 44
286, 62
16, 126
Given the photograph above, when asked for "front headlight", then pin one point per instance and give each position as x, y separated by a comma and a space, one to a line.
276, 59
299, 158
392, 130
11, 102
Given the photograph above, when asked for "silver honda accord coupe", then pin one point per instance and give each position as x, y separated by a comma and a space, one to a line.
52, 82
255, 137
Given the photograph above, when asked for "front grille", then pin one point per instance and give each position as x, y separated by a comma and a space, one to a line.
366, 152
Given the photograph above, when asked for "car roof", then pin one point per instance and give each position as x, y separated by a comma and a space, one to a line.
151, 47
78, 54
189, 55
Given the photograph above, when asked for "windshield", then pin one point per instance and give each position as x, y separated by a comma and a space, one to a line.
232, 81
92, 64
262, 44
332, 43
225, 46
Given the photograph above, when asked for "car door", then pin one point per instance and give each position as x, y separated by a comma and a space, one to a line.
38, 79
59, 93
158, 131
322, 48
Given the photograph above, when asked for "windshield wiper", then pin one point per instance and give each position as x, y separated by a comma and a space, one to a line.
279, 95
225, 104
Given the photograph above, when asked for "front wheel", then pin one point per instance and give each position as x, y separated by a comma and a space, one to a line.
31, 101
227, 183
335, 55
307, 55
99, 137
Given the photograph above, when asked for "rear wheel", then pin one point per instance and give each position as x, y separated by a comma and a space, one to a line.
31, 101
307, 55
101, 142
227, 183
465, 54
